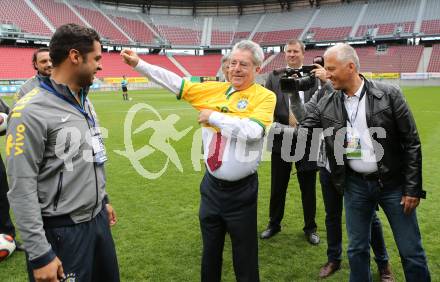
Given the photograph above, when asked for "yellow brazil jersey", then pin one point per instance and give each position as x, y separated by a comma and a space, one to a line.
256, 102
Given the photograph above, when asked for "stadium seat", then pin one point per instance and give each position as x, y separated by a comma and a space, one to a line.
102, 25
136, 29
434, 62
20, 14
179, 30
206, 65
18, 66
57, 13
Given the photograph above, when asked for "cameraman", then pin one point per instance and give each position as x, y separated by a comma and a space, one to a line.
281, 169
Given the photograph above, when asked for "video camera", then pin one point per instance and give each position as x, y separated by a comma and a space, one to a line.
300, 79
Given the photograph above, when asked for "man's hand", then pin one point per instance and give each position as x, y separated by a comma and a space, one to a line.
130, 57
111, 215
204, 116
320, 73
51, 272
409, 204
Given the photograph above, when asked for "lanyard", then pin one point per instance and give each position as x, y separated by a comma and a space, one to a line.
80, 109
352, 119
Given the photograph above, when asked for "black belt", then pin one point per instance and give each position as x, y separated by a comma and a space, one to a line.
367, 177
230, 184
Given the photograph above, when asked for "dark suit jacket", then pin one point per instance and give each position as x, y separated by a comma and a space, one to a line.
281, 115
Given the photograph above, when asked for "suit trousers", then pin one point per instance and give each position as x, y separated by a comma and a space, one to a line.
229, 207
281, 171
6, 225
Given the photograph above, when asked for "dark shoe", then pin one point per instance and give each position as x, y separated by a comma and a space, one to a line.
19, 246
270, 232
329, 268
313, 238
386, 275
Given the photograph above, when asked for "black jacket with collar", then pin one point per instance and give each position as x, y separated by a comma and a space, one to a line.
281, 115
385, 108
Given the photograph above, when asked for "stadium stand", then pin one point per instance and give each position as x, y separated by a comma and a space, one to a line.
395, 59
331, 22
100, 23
114, 67
334, 22
277, 28
434, 62
19, 65
20, 14
179, 30
135, 28
389, 17
58, 13
431, 21
245, 27
162, 61
223, 29
206, 65
277, 62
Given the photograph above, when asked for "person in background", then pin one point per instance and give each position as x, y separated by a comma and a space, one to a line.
43, 65
280, 168
124, 84
225, 66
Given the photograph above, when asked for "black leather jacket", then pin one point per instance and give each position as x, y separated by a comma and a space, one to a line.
385, 108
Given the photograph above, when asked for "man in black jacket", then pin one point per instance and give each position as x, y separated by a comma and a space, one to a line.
282, 167
374, 155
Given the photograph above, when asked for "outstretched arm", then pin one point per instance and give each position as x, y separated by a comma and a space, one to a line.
161, 76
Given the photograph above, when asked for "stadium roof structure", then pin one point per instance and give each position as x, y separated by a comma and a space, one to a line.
203, 4
199, 3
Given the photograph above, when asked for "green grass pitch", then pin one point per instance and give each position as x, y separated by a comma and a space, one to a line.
158, 236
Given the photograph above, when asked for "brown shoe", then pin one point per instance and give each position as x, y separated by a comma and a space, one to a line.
386, 275
329, 268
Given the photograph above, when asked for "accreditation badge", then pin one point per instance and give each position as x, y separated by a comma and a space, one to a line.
99, 154
322, 158
353, 144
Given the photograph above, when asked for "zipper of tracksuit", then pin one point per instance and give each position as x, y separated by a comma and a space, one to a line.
94, 170
58, 194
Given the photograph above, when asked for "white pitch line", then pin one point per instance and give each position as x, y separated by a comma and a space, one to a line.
158, 109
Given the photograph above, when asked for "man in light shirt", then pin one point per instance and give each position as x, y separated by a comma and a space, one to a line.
374, 155
234, 116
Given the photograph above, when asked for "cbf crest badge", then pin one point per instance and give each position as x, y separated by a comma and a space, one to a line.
242, 104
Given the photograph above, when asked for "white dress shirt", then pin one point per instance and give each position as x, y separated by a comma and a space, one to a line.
367, 164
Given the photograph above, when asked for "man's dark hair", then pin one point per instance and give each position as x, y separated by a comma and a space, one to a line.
34, 56
68, 37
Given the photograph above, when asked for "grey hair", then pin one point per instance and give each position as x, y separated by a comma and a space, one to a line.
254, 48
226, 57
345, 53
